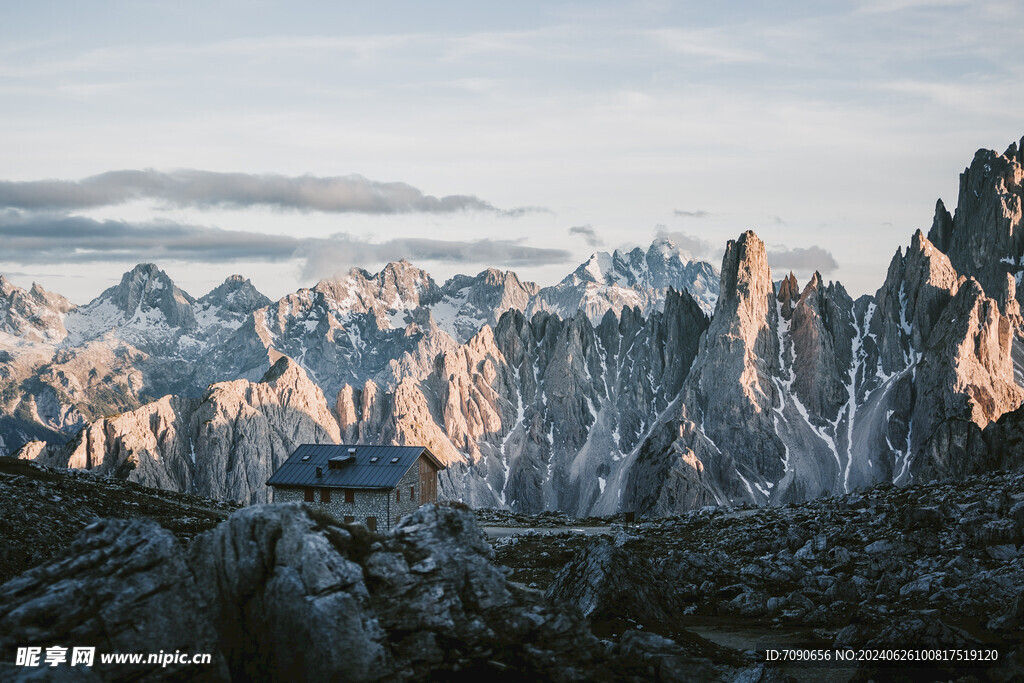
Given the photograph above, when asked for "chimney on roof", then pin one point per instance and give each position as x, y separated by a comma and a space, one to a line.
319, 472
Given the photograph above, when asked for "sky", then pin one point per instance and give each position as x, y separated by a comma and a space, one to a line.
291, 142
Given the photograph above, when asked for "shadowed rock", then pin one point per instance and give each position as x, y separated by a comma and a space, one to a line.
282, 592
122, 587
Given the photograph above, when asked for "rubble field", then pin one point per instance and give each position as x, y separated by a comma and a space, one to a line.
928, 565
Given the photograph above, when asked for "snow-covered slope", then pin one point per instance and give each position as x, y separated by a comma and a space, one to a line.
638, 279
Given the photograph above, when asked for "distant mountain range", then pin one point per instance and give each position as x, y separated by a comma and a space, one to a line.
643, 381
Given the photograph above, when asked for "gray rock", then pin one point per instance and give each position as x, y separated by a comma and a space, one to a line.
34, 315
607, 582
986, 228
284, 592
122, 587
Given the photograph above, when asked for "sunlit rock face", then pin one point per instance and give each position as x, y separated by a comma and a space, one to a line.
985, 237
610, 391
224, 445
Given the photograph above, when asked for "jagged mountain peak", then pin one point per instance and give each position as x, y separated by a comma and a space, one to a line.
1015, 151
466, 302
597, 268
505, 278
36, 292
815, 282
399, 285
919, 284
667, 248
491, 278
635, 279
984, 238
231, 283
651, 266
788, 294
35, 315
746, 277
147, 287
942, 226
145, 298
149, 269
237, 295
406, 282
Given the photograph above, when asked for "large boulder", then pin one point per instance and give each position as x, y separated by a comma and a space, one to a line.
122, 587
287, 593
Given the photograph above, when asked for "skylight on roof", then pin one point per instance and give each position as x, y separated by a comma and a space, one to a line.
374, 459
305, 458
394, 460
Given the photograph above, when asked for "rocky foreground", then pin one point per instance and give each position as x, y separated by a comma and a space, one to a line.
285, 592
281, 592
923, 566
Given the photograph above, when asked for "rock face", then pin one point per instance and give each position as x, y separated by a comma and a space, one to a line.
758, 416
966, 372
34, 315
608, 583
121, 587
282, 592
426, 599
682, 464
468, 303
793, 396
985, 238
138, 340
610, 391
538, 414
378, 345
224, 445
533, 415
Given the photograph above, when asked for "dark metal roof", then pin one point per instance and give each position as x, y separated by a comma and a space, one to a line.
361, 474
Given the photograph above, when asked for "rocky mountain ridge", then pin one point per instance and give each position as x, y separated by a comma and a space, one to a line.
784, 394
62, 366
637, 279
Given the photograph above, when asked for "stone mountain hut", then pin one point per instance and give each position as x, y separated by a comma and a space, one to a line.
371, 485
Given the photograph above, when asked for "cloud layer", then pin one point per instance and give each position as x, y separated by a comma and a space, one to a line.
802, 259
698, 247
40, 238
588, 234
338, 194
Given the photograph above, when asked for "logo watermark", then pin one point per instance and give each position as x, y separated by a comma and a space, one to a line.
86, 656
